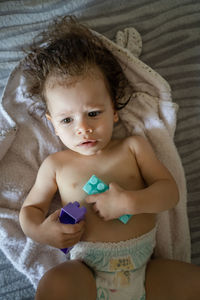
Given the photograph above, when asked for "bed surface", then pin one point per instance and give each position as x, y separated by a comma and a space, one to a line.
170, 32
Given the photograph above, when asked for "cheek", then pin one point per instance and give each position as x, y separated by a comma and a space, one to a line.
65, 137
106, 128
61, 132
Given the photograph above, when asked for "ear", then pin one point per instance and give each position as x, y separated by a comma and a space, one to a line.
116, 117
50, 119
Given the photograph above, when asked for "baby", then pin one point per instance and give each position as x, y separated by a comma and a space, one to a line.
83, 85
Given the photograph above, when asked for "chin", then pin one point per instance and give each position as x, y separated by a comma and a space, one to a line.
90, 152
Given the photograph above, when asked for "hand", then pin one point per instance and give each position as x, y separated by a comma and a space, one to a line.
109, 205
60, 235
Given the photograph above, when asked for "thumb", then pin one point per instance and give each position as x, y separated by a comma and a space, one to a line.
114, 186
91, 199
55, 215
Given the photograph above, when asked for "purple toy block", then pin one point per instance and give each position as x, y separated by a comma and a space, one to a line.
71, 213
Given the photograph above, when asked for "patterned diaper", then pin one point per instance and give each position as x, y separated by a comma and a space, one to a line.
119, 268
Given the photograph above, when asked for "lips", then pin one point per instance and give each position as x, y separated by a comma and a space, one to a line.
88, 143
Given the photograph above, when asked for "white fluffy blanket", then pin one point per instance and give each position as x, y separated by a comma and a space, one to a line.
26, 139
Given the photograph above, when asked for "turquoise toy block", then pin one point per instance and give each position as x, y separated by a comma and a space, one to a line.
125, 218
97, 186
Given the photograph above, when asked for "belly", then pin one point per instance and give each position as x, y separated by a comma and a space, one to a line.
98, 230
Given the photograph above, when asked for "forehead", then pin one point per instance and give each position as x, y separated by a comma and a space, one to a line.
90, 88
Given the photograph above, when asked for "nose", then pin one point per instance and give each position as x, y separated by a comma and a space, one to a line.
83, 127
83, 131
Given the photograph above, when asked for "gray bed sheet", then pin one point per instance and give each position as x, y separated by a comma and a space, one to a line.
170, 32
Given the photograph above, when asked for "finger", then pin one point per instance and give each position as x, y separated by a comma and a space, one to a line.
72, 228
70, 242
91, 199
80, 225
106, 218
113, 185
95, 208
71, 239
55, 215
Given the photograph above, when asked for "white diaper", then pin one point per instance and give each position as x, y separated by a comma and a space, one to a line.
119, 268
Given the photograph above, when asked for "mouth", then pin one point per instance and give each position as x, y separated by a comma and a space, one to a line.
88, 143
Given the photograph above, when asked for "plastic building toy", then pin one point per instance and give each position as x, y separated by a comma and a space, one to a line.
125, 218
71, 213
96, 186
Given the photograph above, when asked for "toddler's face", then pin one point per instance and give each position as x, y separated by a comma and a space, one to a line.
82, 114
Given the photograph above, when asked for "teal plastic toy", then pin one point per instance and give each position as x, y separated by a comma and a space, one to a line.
96, 186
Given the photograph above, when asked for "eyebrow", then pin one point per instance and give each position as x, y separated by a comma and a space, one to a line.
71, 112
63, 114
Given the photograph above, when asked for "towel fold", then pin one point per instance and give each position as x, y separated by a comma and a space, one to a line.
26, 139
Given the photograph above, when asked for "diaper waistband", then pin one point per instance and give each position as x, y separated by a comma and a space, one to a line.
140, 249
134, 242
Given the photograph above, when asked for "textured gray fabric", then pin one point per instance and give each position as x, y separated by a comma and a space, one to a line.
170, 32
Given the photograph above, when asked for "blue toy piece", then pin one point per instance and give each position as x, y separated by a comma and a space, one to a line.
71, 213
96, 186
125, 218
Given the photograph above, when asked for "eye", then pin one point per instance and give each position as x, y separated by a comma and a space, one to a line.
94, 113
66, 120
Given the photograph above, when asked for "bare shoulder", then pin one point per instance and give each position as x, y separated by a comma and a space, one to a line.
52, 162
137, 142
142, 149
57, 158
152, 169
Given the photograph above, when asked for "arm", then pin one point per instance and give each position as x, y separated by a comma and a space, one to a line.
33, 220
161, 192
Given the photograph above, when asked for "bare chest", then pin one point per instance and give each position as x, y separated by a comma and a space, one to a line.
116, 167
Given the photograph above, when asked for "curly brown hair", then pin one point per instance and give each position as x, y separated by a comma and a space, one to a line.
69, 49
